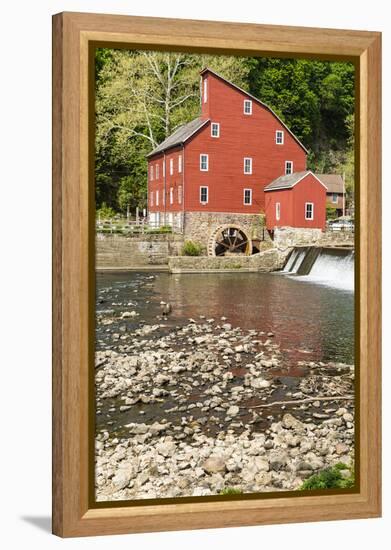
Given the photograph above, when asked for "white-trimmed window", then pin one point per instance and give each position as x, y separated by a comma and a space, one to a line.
278, 211
180, 194
151, 172
334, 198
309, 210
279, 137
157, 171
204, 162
171, 195
248, 107
164, 197
151, 199
157, 197
247, 196
204, 194
215, 129
180, 163
171, 166
288, 167
205, 90
248, 165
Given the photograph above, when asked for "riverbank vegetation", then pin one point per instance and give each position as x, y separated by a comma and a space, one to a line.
142, 97
339, 476
191, 248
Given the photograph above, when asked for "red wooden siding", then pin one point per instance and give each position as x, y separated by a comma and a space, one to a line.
292, 205
241, 135
163, 184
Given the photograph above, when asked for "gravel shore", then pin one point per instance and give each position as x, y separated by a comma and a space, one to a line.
205, 407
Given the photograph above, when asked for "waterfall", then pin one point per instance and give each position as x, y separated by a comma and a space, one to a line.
329, 266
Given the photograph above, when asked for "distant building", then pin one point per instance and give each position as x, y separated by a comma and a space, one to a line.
222, 168
335, 191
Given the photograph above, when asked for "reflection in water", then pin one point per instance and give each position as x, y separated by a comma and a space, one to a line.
310, 321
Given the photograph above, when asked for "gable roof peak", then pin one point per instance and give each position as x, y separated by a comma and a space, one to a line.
288, 181
211, 71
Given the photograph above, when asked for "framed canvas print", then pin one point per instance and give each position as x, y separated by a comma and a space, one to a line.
216, 230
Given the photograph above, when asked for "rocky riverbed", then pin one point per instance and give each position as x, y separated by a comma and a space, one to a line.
205, 406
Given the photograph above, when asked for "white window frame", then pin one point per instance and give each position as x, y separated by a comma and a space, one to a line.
280, 134
247, 102
312, 210
336, 198
157, 197
244, 196
207, 162
171, 195
151, 172
179, 194
286, 166
278, 211
248, 173
164, 167
205, 90
157, 171
180, 164
207, 194
171, 166
212, 126
151, 199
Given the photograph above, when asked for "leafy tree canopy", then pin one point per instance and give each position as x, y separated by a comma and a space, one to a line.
142, 97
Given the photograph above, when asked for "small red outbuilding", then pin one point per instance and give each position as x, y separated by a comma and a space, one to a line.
296, 200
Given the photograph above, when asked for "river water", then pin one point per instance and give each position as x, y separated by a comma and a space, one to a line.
310, 321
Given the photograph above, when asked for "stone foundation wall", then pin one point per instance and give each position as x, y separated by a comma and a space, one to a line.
199, 226
335, 238
285, 237
269, 260
121, 252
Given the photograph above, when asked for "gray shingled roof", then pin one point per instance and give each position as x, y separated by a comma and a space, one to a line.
287, 182
182, 134
333, 182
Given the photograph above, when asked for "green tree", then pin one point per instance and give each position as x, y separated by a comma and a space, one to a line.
142, 97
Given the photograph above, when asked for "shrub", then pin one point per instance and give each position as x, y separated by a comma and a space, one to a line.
330, 478
231, 491
191, 248
165, 229
105, 212
331, 212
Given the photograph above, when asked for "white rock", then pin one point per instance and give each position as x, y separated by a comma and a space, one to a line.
233, 410
122, 478
214, 464
259, 383
166, 449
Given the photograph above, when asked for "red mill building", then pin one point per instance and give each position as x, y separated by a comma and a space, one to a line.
234, 162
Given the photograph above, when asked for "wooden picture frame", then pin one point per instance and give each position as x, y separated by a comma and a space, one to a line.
74, 35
